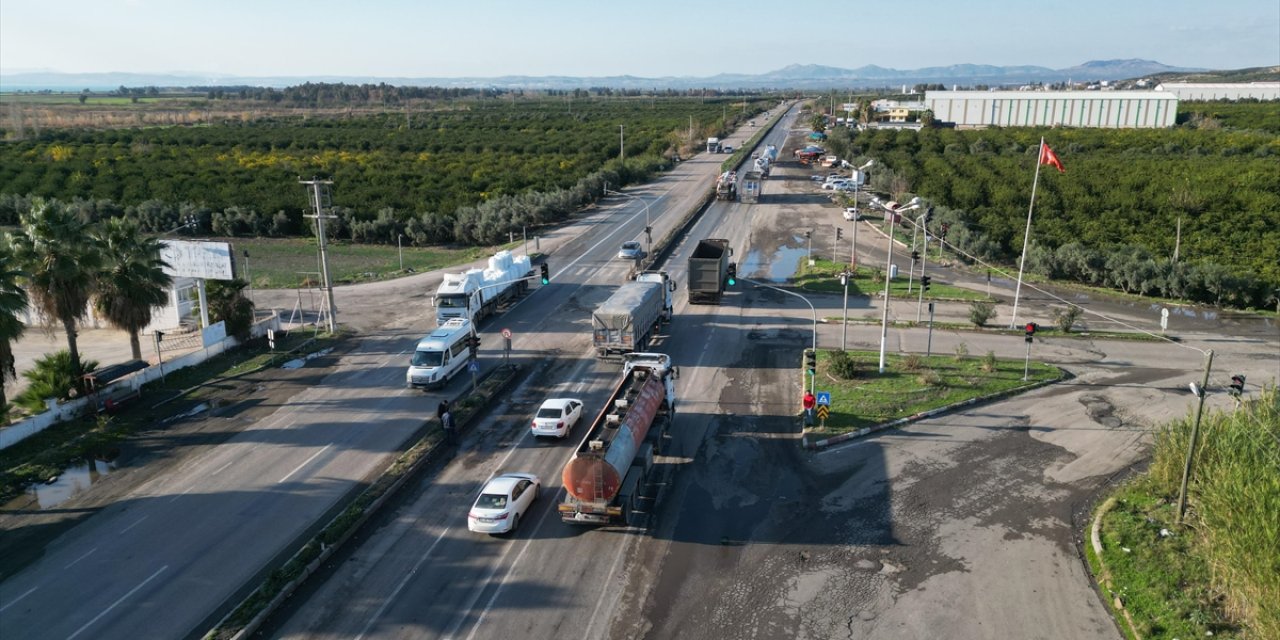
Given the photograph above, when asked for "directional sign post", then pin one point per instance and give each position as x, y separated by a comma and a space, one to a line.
506, 345
1164, 320
474, 368
824, 407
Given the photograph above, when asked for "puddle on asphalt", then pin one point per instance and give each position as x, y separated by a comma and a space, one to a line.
779, 267
73, 480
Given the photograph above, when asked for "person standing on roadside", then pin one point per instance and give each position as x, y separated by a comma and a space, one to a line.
809, 403
442, 409
446, 424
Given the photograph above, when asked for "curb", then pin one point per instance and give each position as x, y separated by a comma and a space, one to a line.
844, 437
1104, 577
427, 450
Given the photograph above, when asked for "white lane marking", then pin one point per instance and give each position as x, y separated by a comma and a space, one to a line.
117, 602
223, 467
15, 600
184, 492
86, 555
514, 563
138, 522
304, 463
613, 568
386, 602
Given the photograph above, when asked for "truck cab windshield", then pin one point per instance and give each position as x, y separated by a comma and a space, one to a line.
452, 302
427, 358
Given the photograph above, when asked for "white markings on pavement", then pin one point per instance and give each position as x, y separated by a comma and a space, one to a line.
386, 602
117, 602
69, 564
138, 522
184, 492
613, 568
15, 600
304, 463
223, 467
494, 598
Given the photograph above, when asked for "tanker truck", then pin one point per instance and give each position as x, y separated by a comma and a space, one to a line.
606, 478
727, 186
476, 293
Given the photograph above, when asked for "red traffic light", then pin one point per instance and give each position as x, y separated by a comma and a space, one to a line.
1031, 328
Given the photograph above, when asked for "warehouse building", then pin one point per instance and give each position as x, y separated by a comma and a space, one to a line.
1222, 90
1097, 109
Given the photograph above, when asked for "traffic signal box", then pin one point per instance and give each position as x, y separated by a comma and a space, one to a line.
1031, 330
811, 362
733, 273
924, 282
915, 255
473, 342
546, 273
1237, 385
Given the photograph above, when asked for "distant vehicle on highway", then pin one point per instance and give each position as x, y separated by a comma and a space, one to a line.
851, 214
502, 502
817, 178
556, 417
630, 250
727, 148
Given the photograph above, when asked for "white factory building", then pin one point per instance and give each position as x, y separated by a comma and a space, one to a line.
1098, 109
1222, 90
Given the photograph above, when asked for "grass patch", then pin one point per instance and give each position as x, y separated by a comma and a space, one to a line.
910, 384
286, 263
48, 453
1218, 573
824, 277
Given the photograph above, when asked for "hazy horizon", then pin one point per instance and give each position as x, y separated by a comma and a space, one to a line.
397, 38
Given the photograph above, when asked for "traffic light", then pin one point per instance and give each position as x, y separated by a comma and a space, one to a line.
473, 342
159, 336
546, 273
924, 282
733, 273
915, 255
839, 233
1031, 330
811, 362
1237, 385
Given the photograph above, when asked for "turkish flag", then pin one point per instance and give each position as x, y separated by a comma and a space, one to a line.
1047, 156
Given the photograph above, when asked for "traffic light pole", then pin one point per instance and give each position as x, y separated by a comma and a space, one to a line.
924, 259
1026, 364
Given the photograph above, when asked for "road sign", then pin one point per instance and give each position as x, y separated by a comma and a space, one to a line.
824, 398
823, 411
506, 333
474, 367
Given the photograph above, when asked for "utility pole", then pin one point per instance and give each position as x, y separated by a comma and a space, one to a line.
1177, 243
1195, 435
320, 196
622, 147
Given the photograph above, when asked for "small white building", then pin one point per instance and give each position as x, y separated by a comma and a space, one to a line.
1222, 90
1112, 109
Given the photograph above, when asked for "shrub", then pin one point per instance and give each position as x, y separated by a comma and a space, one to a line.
843, 366
989, 362
980, 312
913, 362
52, 377
962, 351
1066, 318
929, 378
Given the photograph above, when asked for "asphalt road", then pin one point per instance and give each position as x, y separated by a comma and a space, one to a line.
166, 560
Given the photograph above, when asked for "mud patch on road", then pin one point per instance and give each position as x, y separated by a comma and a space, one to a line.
1101, 411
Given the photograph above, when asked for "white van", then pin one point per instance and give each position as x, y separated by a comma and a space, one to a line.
440, 355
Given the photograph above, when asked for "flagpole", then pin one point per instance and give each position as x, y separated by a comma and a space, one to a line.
1013, 322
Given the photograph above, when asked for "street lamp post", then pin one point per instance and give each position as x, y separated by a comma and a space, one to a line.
844, 327
648, 222
853, 253
884, 321
812, 381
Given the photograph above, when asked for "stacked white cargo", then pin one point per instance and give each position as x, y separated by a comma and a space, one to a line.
476, 293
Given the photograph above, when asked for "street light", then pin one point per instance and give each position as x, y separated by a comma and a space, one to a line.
813, 378
648, 223
884, 321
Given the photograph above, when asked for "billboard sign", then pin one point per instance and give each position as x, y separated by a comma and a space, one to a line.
197, 259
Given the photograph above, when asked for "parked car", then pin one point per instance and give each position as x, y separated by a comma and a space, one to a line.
556, 417
817, 178
851, 214
502, 502
834, 185
630, 250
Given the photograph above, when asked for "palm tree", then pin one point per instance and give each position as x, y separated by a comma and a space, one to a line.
132, 282
61, 261
13, 301
227, 303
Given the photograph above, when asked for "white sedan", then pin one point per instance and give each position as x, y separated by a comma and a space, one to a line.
502, 502
851, 214
557, 417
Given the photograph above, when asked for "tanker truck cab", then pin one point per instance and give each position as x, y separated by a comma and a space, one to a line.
440, 355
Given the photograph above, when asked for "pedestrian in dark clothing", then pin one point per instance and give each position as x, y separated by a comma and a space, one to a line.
442, 409
446, 423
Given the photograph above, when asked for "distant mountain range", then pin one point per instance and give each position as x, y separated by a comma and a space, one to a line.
796, 76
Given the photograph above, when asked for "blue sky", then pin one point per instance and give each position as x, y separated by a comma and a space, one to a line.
652, 38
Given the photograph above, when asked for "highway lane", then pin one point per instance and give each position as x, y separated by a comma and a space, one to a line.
165, 560
423, 575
